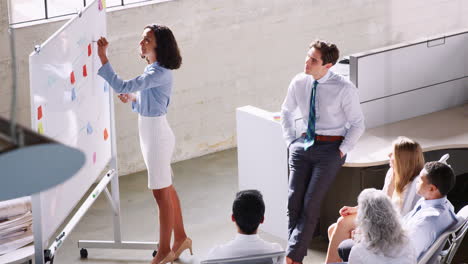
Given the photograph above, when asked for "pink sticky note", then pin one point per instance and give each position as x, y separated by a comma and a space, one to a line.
85, 72
106, 134
39, 113
72, 78
100, 5
94, 158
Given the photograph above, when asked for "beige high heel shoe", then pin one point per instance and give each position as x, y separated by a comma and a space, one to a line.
186, 244
168, 259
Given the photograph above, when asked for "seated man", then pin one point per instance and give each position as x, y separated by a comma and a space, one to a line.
248, 212
431, 215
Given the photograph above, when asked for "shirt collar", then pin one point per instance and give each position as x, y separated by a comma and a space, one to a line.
243, 237
153, 65
325, 77
433, 202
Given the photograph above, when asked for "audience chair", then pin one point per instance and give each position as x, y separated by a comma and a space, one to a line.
444, 248
271, 258
453, 244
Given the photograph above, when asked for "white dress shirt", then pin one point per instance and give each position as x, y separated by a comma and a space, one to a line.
337, 108
410, 196
427, 221
403, 254
243, 245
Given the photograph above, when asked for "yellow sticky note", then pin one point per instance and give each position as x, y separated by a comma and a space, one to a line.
40, 128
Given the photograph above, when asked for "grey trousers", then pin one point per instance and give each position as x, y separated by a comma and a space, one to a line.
311, 173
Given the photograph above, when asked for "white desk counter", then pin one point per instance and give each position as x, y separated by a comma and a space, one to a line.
447, 129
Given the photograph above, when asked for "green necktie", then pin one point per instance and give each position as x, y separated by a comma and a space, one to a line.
310, 136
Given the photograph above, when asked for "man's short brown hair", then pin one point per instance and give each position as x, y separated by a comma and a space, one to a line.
329, 51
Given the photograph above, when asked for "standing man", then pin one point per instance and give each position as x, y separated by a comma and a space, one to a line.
329, 107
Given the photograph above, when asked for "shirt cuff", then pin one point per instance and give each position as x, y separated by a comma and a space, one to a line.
105, 71
344, 149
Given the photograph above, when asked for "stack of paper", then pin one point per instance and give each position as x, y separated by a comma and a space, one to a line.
15, 224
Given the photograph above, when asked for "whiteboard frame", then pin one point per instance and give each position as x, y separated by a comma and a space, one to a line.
42, 251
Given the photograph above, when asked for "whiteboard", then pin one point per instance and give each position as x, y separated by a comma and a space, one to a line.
70, 103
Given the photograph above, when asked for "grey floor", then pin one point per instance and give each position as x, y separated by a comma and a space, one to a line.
206, 187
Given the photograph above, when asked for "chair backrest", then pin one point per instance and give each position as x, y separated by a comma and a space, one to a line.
455, 242
270, 258
446, 245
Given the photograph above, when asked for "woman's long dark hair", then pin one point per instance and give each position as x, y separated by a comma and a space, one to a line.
167, 51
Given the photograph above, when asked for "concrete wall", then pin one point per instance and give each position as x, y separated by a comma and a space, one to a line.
235, 52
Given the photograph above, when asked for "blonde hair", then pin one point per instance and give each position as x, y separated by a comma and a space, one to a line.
409, 161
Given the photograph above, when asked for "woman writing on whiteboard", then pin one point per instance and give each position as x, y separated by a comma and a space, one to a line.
150, 95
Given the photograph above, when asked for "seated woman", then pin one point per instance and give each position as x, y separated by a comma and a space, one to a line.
379, 237
406, 161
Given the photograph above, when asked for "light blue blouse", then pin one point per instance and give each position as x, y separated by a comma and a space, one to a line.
152, 88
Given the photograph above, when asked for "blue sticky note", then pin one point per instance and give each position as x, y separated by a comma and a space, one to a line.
89, 129
106, 87
51, 80
73, 94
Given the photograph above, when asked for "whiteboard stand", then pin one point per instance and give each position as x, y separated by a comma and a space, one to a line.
114, 200
44, 74
37, 228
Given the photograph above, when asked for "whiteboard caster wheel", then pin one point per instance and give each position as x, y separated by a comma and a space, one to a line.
83, 253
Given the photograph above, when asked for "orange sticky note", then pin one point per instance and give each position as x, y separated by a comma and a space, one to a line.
72, 78
89, 50
39, 113
106, 135
40, 128
85, 72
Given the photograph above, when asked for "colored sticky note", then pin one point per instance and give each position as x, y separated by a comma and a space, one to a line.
72, 78
40, 128
85, 72
106, 87
51, 80
39, 113
101, 5
94, 157
89, 128
89, 50
106, 134
73, 94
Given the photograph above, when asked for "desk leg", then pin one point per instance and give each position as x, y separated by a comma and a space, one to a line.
37, 228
